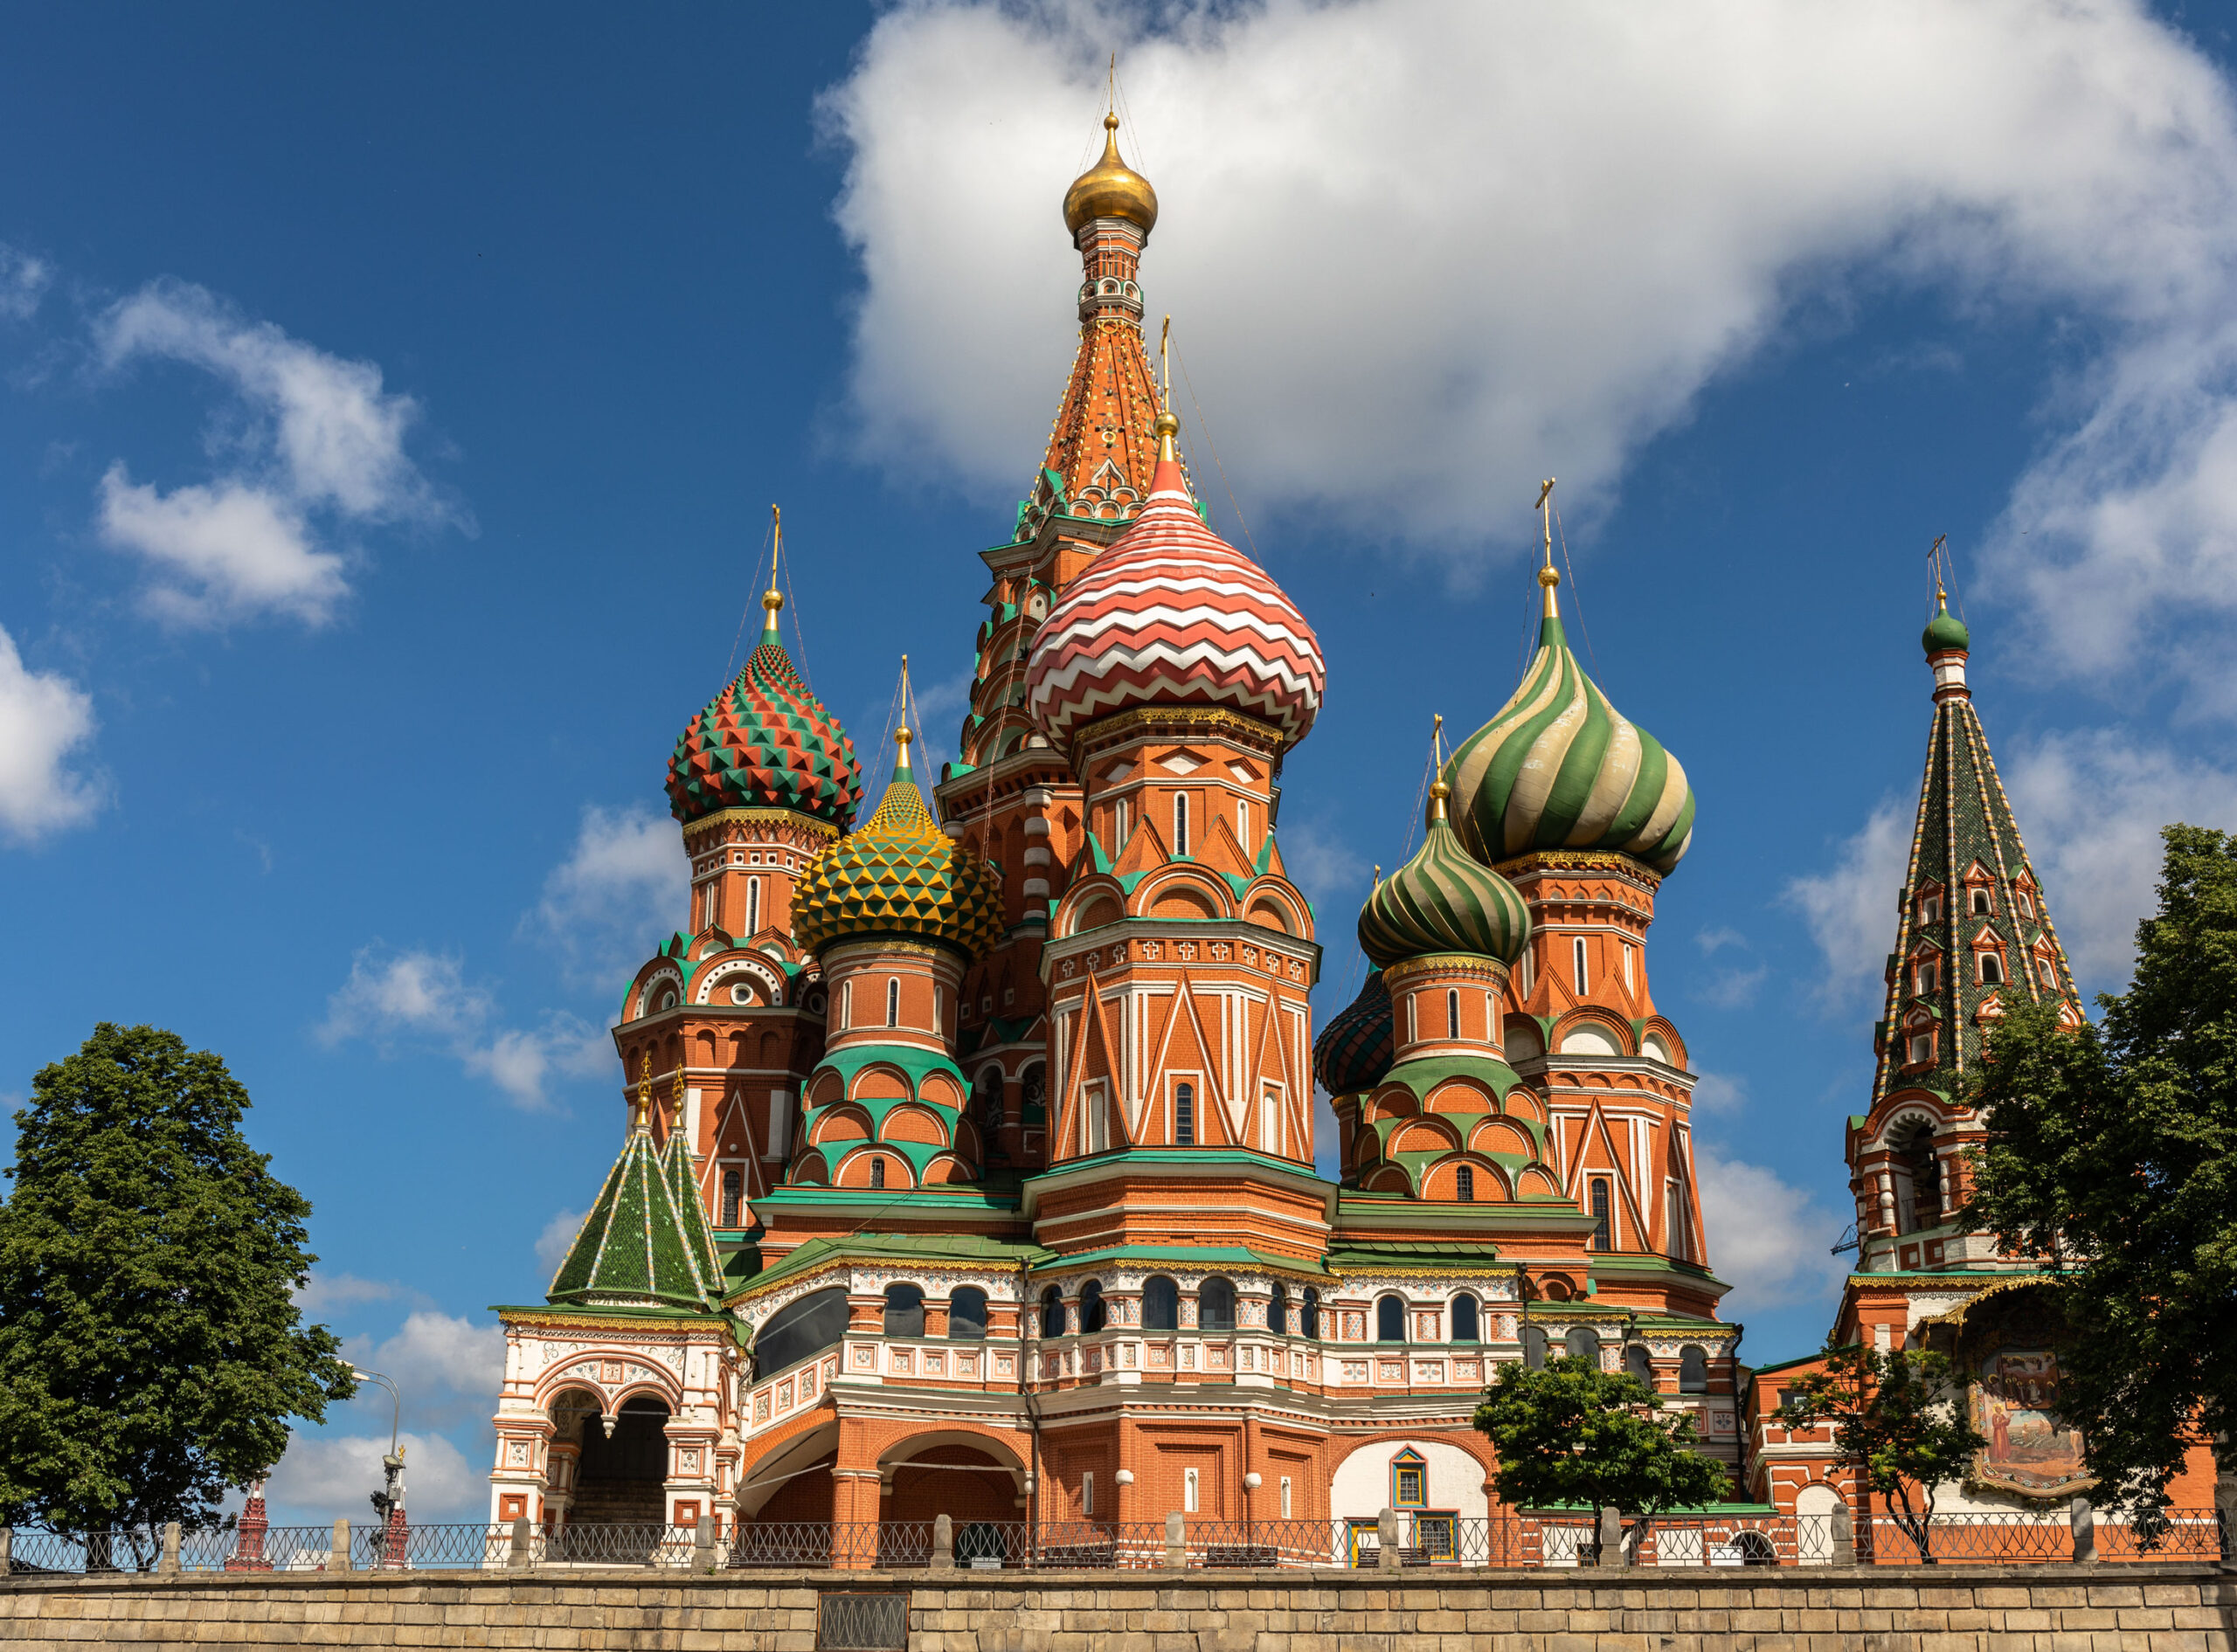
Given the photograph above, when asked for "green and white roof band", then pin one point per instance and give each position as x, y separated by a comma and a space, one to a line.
1560, 768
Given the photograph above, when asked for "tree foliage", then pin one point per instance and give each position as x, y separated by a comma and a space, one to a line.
2112, 1157
1574, 1433
150, 1348
1900, 1417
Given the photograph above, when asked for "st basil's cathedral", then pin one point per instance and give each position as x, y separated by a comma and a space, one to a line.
969, 1162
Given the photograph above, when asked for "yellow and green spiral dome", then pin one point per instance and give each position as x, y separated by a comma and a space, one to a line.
899, 874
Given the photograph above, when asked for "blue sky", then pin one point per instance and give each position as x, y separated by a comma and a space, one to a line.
390, 403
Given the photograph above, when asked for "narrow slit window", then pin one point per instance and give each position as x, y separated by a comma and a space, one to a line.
733, 1196
1452, 1011
1465, 1183
1184, 1114
877, 1173
1180, 823
893, 1002
1243, 826
1576, 961
1119, 826
1628, 985
1602, 1235
753, 906
846, 1004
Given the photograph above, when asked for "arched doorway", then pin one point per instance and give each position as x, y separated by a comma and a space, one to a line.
619, 1477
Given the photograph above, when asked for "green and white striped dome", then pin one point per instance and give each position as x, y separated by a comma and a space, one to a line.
1560, 768
1443, 901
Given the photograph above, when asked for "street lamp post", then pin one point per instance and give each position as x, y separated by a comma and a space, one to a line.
388, 1502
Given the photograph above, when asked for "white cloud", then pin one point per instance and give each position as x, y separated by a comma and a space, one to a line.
1714, 941
557, 1238
323, 1292
326, 1476
23, 280
1850, 909
1719, 1093
1771, 1240
1522, 238
421, 997
308, 434
230, 549
621, 890
1730, 989
444, 1364
2090, 805
1323, 865
44, 718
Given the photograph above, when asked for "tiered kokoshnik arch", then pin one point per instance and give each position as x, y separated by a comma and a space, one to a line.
972, 1167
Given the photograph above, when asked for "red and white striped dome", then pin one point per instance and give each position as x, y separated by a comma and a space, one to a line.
1173, 615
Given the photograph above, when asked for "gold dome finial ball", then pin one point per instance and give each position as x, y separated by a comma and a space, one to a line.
1110, 188
1548, 577
1439, 790
1168, 424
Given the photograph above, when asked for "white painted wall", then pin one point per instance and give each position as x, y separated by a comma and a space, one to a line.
1362, 1488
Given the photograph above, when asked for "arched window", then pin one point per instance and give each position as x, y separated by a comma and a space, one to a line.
846, 1004
1603, 1231
1467, 1324
892, 1002
1693, 1370
1980, 904
1390, 1319
904, 1310
1243, 826
1277, 1310
1638, 1362
1918, 1176
1180, 823
877, 1170
1452, 1011
1310, 1327
1533, 1348
1032, 1093
1464, 1184
1161, 1303
1992, 970
1582, 1343
733, 1196
814, 1323
1184, 1114
1093, 1315
1118, 828
1052, 1312
1216, 1305
966, 1314
753, 906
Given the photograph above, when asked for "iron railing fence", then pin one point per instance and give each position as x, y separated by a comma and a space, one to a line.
1509, 1539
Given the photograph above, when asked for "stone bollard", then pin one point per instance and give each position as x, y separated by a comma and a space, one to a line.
519, 1557
1386, 1540
2085, 1531
703, 1544
1843, 1536
167, 1565
337, 1558
1176, 1543
943, 1543
1611, 1537
7, 1549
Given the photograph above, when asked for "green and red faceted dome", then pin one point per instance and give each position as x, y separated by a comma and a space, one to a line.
765, 743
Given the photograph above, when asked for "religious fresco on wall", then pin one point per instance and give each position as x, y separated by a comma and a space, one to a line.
2015, 1365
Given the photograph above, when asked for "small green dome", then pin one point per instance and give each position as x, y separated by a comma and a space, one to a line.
1945, 630
1443, 900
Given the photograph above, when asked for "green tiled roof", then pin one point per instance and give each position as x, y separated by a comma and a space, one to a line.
646, 1242
908, 1248
1412, 1253
1186, 1255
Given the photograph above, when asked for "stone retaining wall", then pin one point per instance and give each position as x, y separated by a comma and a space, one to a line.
2135, 1608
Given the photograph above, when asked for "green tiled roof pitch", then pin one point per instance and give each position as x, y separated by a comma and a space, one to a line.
1965, 820
644, 1243
765, 743
1443, 901
1353, 1050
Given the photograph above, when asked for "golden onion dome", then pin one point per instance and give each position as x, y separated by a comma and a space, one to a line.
1110, 188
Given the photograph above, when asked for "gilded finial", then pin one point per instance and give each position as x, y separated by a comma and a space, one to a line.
1167, 427
1548, 577
772, 600
640, 1107
1439, 790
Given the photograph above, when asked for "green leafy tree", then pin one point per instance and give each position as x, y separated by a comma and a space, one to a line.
2113, 1160
1901, 1417
150, 1349
1574, 1433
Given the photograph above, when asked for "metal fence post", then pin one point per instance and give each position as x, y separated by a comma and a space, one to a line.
943, 1543
338, 1557
1386, 1540
2085, 1531
1611, 1537
1176, 1543
1843, 1536
167, 1564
